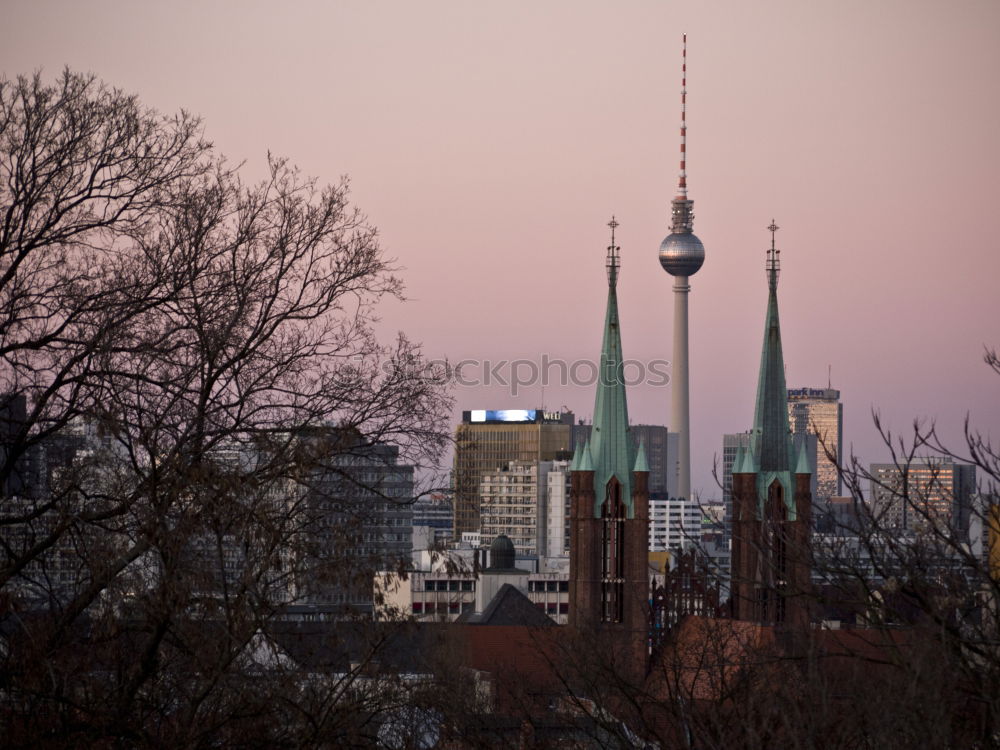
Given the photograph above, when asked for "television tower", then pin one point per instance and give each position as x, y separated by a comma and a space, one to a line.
681, 255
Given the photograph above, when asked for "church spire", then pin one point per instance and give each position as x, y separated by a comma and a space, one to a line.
772, 501
772, 444
610, 444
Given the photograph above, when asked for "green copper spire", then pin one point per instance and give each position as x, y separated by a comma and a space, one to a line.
610, 444
641, 462
771, 441
586, 462
738, 460
802, 465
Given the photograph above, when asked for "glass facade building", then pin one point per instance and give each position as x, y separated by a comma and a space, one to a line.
818, 411
923, 494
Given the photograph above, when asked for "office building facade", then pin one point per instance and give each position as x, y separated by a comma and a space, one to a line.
674, 523
558, 485
487, 440
357, 517
818, 411
931, 492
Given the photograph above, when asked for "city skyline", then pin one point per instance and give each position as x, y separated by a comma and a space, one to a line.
489, 144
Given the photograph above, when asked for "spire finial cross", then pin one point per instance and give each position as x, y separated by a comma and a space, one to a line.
613, 260
773, 265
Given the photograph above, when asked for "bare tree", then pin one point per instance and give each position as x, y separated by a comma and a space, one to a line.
915, 557
83, 168
189, 361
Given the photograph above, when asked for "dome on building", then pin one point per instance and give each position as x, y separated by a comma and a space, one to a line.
502, 553
681, 254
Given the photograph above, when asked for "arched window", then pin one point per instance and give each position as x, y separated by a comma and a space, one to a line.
613, 553
776, 551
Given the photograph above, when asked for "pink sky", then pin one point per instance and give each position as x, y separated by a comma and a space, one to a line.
491, 142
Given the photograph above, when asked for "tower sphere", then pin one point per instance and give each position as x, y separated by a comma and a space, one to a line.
681, 254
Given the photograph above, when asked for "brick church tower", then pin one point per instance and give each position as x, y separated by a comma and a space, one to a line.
772, 501
609, 515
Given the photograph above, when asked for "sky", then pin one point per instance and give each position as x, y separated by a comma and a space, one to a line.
491, 142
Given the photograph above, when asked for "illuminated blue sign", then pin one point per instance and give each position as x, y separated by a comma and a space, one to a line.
517, 416
503, 415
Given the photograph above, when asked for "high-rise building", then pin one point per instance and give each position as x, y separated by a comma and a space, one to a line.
512, 502
674, 523
928, 492
772, 505
681, 255
435, 512
68, 474
487, 440
557, 496
356, 507
818, 411
609, 557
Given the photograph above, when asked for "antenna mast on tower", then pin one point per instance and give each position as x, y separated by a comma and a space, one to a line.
681, 255
682, 188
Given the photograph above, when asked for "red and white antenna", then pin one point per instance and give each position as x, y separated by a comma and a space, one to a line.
682, 190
